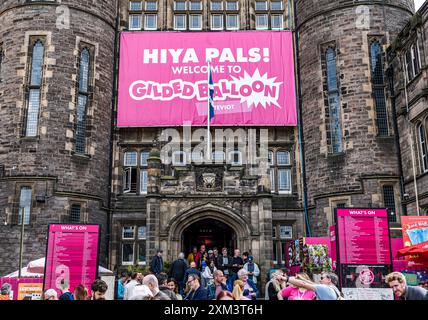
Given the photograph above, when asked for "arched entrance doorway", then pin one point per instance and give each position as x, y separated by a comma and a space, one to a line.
210, 232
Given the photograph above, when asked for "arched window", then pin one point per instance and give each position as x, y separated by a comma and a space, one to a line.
333, 102
379, 88
33, 104
422, 139
82, 101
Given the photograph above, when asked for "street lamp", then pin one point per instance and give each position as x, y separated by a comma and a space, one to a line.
21, 246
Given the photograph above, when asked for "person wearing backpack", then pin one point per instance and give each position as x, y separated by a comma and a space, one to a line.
325, 290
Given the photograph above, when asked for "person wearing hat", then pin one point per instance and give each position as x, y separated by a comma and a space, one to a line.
5, 291
252, 268
156, 265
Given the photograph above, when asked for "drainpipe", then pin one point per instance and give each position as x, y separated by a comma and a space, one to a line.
112, 132
300, 125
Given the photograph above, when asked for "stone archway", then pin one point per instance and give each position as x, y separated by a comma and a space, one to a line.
185, 219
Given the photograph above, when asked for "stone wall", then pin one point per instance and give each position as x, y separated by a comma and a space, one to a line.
333, 178
47, 162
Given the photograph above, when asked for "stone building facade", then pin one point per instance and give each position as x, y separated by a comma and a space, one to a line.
54, 147
61, 160
350, 140
407, 76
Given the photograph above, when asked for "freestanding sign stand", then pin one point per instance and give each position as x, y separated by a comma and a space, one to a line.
363, 248
71, 256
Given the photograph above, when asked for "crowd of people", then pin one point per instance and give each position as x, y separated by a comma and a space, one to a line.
204, 275
209, 275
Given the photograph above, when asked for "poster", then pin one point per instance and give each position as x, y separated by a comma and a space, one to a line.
415, 230
364, 276
363, 236
72, 256
163, 78
368, 294
30, 291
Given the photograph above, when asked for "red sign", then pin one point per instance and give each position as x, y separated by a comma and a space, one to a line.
72, 256
363, 236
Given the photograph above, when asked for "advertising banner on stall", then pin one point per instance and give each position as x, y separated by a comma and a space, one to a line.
72, 256
28, 288
30, 291
163, 78
415, 230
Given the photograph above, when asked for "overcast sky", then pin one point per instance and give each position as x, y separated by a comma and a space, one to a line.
418, 3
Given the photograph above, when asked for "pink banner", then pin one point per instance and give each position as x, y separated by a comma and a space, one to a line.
72, 256
163, 78
33, 286
363, 236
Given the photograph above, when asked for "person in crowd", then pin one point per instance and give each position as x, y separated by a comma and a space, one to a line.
140, 278
80, 292
192, 255
197, 292
294, 293
121, 285
129, 287
215, 256
218, 285
275, 285
156, 265
50, 294
192, 270
210, 256
152, 282
326, 290
163, 285
252, 269
199, 256
224, 263
225, 295
178, 270
99, 288
65, 291
207, 274
5, 291
250, 289
173, 286
245, 256
141, 292
397, 282
237, 263
238, 290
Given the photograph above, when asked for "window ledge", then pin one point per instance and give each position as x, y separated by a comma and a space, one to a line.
30, 139
81, 157
389, 137
336, 155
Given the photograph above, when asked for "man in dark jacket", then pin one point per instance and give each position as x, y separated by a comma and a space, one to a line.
397, 282
224, 262
178, 270
197, 292
156, 265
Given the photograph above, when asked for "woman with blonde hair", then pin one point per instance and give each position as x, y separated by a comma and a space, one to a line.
276, 284
238, 290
